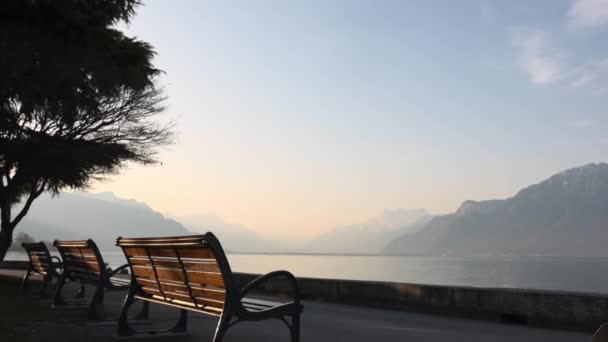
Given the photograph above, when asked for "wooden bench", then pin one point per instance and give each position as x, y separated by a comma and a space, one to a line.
41, 263
82, 262
192, 273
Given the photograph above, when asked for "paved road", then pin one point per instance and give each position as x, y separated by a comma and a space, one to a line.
332, 322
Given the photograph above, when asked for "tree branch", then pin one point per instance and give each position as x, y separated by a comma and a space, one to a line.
33, 195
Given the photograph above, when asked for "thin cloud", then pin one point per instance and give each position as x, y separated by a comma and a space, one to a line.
585, 123
541, 63
583, 80
593, 73
588, 13
545, 64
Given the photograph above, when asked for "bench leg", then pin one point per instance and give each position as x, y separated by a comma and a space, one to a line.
295, 328
123, 329
24, 281
144, 314
81, 293
182, 323
57, 300
222, 326
45, 282
96, 300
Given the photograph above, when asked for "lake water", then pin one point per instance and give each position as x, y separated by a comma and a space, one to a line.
569, 274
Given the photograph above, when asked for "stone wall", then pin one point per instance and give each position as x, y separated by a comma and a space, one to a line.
565, 310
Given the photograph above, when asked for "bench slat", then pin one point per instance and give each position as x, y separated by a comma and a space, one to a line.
166, 262
189, 253
209, 310
83, 264
37, 263
206, 278
207, 292
78, 271
174, 274
162, 273
185, 297
252, 304
73, 256
78, 250
40, 259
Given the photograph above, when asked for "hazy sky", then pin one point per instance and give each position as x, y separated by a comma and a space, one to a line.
296, 116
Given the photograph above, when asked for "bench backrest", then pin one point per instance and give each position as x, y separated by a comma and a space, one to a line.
81, 260
190, 271
39, 256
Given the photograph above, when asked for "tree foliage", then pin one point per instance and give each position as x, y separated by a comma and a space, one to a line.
78, 99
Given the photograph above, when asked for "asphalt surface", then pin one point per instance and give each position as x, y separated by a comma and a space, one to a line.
333, 322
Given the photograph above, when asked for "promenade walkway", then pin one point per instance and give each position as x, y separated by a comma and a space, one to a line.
333, 322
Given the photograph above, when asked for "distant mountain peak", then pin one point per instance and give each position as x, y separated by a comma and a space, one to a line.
109, 196
582, 171
565, 215
586, 180
371, 235
477, 207
585, 168
102, 217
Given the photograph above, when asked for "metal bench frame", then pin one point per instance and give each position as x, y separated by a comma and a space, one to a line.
41, 262
75, 270
235, 307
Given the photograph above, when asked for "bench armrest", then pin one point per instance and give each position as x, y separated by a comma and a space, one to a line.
118, 270
56, 265
56, 261
292, 282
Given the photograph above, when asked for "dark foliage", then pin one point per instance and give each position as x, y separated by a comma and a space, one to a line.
78, 99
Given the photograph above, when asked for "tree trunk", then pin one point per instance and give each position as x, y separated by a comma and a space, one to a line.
6, 239
6, 228
7, 225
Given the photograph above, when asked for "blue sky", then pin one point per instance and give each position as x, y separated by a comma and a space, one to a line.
302, 115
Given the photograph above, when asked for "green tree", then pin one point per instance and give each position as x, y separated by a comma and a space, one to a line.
78, 100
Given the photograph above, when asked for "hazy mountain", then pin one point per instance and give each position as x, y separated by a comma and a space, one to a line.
565, 215
370, 236
103, 218
234, 237
111, 197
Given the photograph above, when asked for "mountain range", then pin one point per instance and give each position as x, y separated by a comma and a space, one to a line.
371, 236
102, 217
565, 215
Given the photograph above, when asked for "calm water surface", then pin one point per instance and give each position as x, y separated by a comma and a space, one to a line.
570, 274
